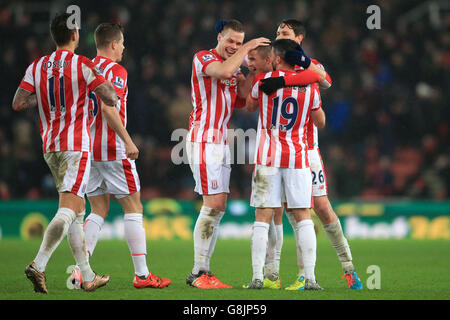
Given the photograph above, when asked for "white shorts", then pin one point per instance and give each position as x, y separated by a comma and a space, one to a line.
70, 170
210, 165
319, 182
270, 186
118, 177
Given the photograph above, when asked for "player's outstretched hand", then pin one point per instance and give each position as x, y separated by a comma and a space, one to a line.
270, 85
297, 57
131, 151
255, 43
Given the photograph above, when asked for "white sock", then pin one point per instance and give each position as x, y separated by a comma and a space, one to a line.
270, 265
207, 222
308, 243
55, 232
301, 267
214, 237
77, 243
259, 248
272, 242
92, 228
135, 236
340, 244
279, 245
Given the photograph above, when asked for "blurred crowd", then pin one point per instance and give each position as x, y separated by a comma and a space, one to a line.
387, 132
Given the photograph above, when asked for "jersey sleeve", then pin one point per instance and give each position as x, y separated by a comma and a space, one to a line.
317, 101
327, 81
205, 58
119, 80
254, 94
91, 74
255, 91
27, 82
302, 78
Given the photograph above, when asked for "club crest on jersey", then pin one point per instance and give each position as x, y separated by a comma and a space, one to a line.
98, 71
119, 82
214, 184
207, 57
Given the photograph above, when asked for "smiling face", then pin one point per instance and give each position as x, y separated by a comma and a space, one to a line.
228, 42
259, 63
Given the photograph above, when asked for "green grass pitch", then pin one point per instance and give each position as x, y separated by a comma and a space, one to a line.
410, 269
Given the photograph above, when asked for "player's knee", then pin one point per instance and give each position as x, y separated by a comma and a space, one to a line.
219, 207
101, 213
324, 211
136, 200
211, 212
139, 207
216, 202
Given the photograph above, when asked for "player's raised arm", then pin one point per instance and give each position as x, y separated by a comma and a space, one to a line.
299, 57
225, 70
303, 78
325, 79
23, 99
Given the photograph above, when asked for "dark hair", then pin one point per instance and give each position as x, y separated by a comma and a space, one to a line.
61, 34
106, 33
281, 46
264, 51
233, 25
296, 25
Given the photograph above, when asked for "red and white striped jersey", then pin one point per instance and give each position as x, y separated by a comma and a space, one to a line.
312, 133
213, 100
62, 81
106, 144
283, 115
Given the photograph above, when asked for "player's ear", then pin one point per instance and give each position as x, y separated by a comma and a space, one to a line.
277, 60
300, 38
219, 36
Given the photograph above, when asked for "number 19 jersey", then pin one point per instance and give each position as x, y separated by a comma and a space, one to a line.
281, 137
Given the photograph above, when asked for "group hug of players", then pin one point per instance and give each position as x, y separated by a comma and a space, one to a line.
82, 116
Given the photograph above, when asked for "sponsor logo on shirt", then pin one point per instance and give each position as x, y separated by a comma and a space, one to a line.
232, 82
